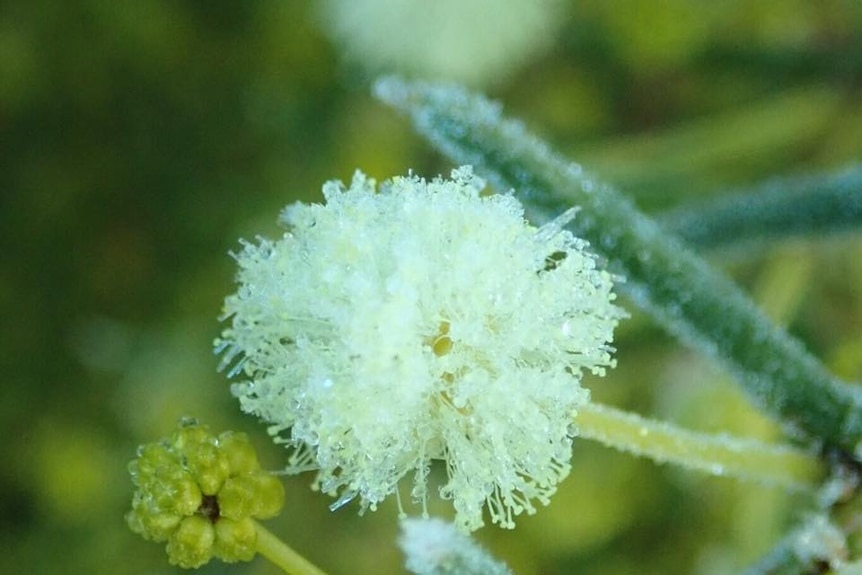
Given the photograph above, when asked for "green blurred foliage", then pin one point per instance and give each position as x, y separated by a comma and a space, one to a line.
140, 140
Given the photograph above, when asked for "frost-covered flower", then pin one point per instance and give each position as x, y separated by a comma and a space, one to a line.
424, 321
465, 40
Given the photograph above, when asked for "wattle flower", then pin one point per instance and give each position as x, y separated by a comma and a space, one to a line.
422, 321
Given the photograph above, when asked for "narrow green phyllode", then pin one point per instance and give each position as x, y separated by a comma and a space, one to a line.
691, 300
716, 454
814, 206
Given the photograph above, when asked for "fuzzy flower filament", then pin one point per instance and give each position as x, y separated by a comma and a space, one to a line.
422, 321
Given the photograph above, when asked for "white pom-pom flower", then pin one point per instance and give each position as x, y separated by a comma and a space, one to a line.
424, 321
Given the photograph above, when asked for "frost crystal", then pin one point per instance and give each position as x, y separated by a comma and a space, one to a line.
421, 322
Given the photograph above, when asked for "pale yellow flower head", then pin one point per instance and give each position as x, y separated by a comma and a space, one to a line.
418, 322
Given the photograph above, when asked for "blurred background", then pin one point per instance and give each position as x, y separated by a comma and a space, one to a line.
140, 140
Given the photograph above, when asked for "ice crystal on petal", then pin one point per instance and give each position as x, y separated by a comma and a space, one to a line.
422, 321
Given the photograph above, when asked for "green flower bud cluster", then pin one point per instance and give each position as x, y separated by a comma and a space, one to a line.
199, 492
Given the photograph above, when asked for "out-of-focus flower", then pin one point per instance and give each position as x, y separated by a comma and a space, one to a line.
472, 41
424, 321
199, 492
434, 547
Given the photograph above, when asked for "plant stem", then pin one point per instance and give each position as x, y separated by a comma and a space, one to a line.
702, 308
810, 206
282, 555
715, 454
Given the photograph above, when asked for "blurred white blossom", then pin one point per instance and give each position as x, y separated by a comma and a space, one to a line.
424, 321
434, 547
472, 41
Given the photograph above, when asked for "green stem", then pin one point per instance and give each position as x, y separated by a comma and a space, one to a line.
810, 206
283, 556
680, 290
716, 454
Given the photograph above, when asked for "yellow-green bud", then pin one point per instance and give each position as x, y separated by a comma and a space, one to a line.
235, 540
270, 496
192, 544
160, 526
199, 493
238, 497
203, 458
239, 451
187, 496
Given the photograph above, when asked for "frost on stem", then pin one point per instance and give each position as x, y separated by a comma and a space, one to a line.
421, 321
